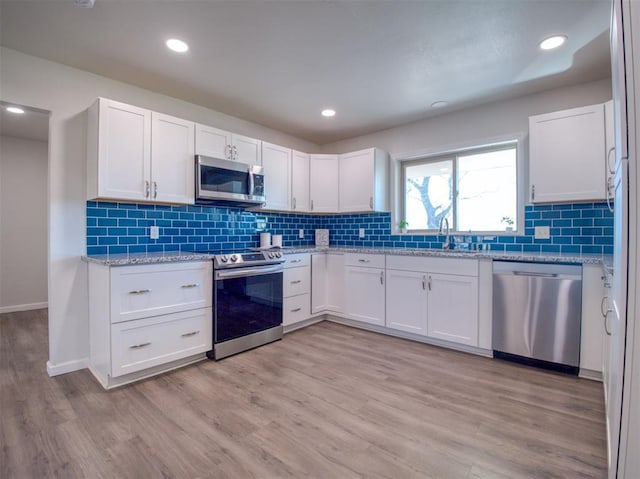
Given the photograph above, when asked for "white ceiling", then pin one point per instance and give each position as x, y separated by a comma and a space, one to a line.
379, 63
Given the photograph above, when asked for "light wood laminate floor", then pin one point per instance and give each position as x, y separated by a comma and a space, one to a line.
328, 401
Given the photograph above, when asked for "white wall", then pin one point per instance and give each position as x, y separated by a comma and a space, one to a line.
473, 125
66, 92
23, 224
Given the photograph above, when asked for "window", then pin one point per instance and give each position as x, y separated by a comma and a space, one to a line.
475, 189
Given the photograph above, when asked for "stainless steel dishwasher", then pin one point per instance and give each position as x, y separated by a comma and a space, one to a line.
537, 309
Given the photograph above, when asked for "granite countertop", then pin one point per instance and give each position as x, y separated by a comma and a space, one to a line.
151, 258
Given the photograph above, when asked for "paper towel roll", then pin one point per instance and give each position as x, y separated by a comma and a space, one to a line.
265, 240
276, 241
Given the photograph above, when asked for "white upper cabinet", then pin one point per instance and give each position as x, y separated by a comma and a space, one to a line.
567, 160
172, 159
222, 144
363, 181
300, 201
276, 161
136, 154
323, 185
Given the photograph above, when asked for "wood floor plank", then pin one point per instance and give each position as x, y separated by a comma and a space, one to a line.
327, 401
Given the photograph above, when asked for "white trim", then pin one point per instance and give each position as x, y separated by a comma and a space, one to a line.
68, 367
23, 307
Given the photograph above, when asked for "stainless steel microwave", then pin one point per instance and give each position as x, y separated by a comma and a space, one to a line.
228, 183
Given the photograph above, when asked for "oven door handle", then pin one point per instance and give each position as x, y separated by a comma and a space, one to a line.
253, 271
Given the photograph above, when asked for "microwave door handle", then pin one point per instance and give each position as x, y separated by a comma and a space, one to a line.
251, 182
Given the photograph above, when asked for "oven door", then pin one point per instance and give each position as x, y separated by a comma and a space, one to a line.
223, 180
246, 301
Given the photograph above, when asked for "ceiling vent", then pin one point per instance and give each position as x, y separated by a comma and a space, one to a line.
84, 3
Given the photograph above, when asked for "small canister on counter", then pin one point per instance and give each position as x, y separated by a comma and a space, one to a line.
276, 241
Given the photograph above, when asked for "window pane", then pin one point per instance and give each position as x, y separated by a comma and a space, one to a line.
487, 191
428, 194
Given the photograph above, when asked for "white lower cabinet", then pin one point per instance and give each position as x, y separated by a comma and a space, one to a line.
594, 310
407, 301
453, 308
146, 319
365, 294
423, 298
296, 289
327, 283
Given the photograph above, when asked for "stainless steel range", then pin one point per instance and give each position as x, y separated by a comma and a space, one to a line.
247, 301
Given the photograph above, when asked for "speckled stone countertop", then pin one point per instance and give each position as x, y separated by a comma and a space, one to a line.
151, 258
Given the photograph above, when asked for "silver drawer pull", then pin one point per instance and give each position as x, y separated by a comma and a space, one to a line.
138, 346
364, 261
296, 310
140, 291
192, 333
192, 285
296, 281
295, 261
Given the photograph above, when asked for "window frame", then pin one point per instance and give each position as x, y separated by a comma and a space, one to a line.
451, 154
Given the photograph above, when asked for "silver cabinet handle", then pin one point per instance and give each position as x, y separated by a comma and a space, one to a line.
371, 202
612, 169
381, 277
429, 283
192, 333
296, 281
155, 190
147, 189
294, 202
424, 283
610, 193
192, 285
138, 346
295, 261
605, 314
140, 291
533, 192
364, 261
235, 152
311, 205
296, 310
227, 150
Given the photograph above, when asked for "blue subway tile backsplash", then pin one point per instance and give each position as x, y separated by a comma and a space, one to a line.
124, 228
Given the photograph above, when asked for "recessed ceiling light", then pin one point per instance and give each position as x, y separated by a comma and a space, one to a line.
328, 112
15, 109
552, 42
177, 45
439, 104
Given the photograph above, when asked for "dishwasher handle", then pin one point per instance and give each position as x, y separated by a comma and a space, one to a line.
539, 275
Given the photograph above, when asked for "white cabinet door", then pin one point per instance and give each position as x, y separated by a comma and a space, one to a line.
323, 184
365, 294
172, 159
453, 308
276, 161
592, 324
356, 181
335, 283
407, 301
246, 150
567, 160
300, 182
318, 283
118, 151
213, 142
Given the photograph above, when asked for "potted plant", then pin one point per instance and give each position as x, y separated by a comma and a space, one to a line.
508, 222
402, 224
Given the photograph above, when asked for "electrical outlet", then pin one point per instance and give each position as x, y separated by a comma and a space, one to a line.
542, 232
154, 232
301, 233
361, 233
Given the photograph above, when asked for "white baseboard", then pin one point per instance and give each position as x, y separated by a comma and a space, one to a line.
68, 367
23, 307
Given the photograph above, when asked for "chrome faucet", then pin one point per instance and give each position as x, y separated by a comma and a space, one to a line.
447, 241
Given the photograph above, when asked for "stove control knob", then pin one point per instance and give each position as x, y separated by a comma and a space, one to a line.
224, 258
278, 254
270, 255
234, 257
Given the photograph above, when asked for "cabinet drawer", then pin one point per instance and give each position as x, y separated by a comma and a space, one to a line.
144, 343
297, 281
295, 260
364, 260
296, 309
149, 290
460, 266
